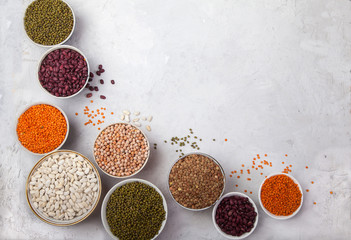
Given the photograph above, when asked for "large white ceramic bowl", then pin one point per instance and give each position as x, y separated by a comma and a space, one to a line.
107, 197
53, 221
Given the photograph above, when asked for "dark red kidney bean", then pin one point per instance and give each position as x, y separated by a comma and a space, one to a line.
102, 70
96, 88
112, 81
235, 215
87, 86
91, 75
91, 88
100, 66
98, 73
101, 81
89, 95
63, 72
102, 97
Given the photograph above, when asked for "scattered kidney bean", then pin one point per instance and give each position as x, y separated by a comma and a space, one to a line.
98, 73
91, 75
96, 88
100, 66
102, 70
112, 81
87, 86
91, 88
63, 72
89, 95
102, 97
235, 215
101, 81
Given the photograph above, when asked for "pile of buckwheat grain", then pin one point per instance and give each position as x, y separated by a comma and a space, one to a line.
196, 181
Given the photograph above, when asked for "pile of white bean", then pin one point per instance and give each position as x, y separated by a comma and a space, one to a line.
64, 186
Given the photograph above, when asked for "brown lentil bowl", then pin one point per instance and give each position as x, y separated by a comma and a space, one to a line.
98, 159
219, 192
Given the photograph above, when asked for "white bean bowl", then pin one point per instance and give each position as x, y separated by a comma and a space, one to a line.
51, 220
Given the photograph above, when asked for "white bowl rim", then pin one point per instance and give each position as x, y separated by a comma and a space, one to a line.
146, 160
109, 193
49, 46
276, 216
215, 161
214, 215
49, 104
62, 47
74, 220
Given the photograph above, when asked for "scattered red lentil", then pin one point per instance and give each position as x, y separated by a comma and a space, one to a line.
314, 203
225, 139
230, 175
331, 192
312, 182
307, 190
306, 167
76, 114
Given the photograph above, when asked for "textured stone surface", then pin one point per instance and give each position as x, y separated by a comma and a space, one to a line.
271, 76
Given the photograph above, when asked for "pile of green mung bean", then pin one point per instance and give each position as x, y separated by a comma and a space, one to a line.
48, 22
135, 211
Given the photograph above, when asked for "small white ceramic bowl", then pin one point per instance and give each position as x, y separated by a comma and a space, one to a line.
107, 197
49, 46
136, 172
53, 221
67, 124
62, 47
276, 216
215, 161
214, 216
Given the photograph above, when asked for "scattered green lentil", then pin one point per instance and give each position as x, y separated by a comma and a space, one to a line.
48, 22
135, 211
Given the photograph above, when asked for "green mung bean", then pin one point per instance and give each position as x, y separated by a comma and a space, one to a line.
135, 211
48, 22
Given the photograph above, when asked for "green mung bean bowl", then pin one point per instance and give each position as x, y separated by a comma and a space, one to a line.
112, 190
59, 43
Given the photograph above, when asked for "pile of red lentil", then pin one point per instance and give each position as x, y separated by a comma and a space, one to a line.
42, 128
280, 195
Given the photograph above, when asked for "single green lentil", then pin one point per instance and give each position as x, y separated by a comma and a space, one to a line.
135, 211
48, 22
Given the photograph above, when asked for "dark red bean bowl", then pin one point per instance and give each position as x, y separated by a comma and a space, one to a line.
63, 71
235, 215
